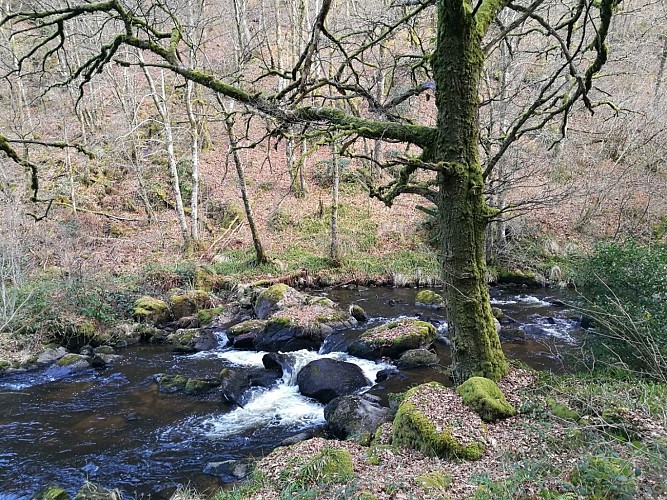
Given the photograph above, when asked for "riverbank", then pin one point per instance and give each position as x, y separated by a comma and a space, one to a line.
597, 436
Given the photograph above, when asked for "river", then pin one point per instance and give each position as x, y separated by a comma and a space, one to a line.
112, 426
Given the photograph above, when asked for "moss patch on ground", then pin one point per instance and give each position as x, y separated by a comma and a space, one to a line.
484, 396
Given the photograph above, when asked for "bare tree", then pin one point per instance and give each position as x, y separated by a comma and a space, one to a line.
442, 163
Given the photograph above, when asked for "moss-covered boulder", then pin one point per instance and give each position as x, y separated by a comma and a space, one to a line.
188, 340
433, 419
484, 396
393, 339
417, 358
206, 316
151, 310
170, 383
120, 335
358, 313
428, 298
52, 492
301, 327
189, 303
252, 325
200, 385
272, 299
74, 362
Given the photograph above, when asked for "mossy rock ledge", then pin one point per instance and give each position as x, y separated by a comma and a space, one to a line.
434, 420
293, 320
393, 339
151, 310
189, 303
484, 396
428, 298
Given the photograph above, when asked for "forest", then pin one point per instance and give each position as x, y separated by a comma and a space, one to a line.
333, 249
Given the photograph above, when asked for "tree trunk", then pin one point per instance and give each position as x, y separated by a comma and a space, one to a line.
194, 158
462, 210
261, 257
334, 252
162, 106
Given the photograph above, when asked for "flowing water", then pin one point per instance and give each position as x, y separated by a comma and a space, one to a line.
113, 427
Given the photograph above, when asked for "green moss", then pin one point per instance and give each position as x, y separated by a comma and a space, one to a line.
71, 359
151, 310
485, 397
268, 299
205, 316
561, 410
52, 492
411, 428
206, 279
329, 466
246, 327
197, 386
320, 301
172, 383
278, 323
434, 480
189, 303
429, 298
275, 293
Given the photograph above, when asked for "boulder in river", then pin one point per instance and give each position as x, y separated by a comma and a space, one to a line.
393, 339
356, 417
287, 334
294, 320
417, 358
242, 335
428, 298
325, 379
192, 340
51, 354
74, 362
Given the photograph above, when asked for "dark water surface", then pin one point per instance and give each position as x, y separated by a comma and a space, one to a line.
112, 427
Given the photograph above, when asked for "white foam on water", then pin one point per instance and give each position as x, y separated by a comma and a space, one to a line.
530, 300
281, 406
240, 358
499, 302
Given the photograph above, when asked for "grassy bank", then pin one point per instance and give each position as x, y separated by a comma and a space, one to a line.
595, 435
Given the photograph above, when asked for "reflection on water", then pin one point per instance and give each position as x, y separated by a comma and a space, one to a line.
113, 426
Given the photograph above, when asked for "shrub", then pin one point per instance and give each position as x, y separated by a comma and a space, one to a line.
624, 290
604, 477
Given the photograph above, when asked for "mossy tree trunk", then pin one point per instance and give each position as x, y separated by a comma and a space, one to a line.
463, 214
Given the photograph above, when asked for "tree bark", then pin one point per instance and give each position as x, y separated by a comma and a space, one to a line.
462, 210
261, 257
